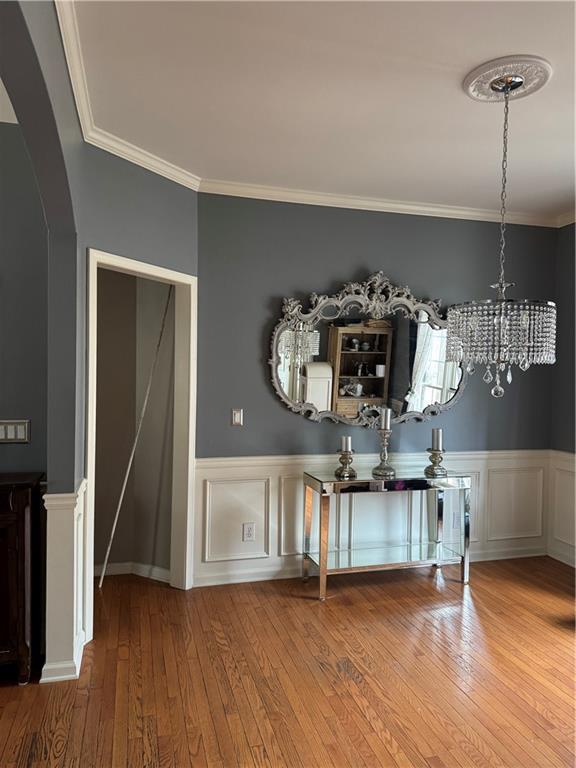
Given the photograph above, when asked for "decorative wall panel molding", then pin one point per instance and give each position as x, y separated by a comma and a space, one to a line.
517, 530
290, 522
515, 497
228, 504
562, 507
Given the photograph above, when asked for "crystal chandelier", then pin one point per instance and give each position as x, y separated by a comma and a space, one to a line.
298, 346
500, 333
302, 343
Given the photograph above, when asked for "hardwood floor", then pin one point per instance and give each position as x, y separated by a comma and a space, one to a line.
404, 668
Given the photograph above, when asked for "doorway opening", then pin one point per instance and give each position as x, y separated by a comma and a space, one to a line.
135, 355
126, 303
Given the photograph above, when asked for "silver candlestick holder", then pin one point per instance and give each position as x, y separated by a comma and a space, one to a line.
434, 469
384, 471
345, 471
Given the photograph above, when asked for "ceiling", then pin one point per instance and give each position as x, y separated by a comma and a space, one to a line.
330, 101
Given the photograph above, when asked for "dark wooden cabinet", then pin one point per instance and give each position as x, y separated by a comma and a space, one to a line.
22, 573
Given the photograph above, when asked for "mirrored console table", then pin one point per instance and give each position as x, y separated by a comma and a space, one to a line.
435, 551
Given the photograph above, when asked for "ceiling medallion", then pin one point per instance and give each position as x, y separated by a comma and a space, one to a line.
499, 333
534, 71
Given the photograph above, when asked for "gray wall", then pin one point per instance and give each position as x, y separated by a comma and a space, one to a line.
129, 317
115, 409
252, 253
117, 206
563, 394
153, 460
23, 302
259, 249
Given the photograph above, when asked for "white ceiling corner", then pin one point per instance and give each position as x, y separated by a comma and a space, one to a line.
92, 133
198, 49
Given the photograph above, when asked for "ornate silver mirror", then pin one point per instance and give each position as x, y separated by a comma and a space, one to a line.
371, 345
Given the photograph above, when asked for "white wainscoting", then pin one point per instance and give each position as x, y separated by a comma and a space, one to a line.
229, 503
522, 504
561, 507
521, 500
66, 617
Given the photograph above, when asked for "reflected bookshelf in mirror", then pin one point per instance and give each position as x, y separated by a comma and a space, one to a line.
358, 352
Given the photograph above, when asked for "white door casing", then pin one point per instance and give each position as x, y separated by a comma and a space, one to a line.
185, 340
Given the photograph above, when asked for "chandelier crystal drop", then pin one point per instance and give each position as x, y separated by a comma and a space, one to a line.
499, 333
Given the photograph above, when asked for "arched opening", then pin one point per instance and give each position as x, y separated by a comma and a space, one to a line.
21, 73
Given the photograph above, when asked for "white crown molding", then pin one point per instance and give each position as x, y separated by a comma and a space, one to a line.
104, 140
305, 197
565, 219
73, 52
97, 136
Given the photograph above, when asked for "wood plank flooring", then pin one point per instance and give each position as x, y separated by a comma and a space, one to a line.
405, 669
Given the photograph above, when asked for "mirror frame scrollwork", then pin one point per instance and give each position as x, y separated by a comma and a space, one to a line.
377, 297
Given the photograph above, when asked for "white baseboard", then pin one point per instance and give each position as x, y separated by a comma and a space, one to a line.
565, 553
507, 554
146, 570
263, 574
54, 672
294, 571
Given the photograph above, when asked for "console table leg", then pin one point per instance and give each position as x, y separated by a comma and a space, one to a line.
323, 559
465, 567
435, 511
308, 506
440, 527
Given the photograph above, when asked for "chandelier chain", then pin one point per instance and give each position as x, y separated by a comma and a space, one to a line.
501, 281
506, 332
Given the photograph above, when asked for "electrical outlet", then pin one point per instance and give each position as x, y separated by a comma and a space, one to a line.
248, 531
237, 417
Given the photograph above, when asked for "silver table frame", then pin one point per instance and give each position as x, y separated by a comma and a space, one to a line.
434, 488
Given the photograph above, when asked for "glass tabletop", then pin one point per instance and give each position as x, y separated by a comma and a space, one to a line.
327, 482
404, 554
365, 475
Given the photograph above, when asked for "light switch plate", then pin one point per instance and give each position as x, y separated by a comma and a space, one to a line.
14, 431
237, 417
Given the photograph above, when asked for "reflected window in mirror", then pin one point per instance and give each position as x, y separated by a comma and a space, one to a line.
434, 379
